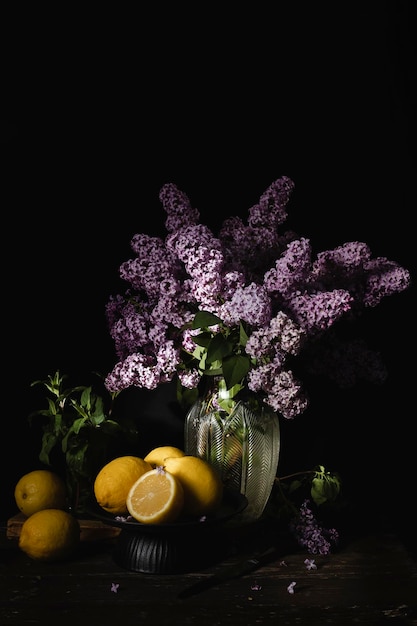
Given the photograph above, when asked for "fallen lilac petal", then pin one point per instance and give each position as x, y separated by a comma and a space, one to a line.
114, 587
256, 587
310, 564
290, 587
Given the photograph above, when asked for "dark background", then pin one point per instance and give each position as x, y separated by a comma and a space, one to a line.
101, 111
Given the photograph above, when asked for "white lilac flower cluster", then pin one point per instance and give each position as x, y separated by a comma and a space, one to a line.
264, 284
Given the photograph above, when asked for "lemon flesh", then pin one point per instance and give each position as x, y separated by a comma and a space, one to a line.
157, 497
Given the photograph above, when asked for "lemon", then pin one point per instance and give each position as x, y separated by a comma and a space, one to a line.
157, 497
202, 485
40, 489
158, 455
49, 535
114, 480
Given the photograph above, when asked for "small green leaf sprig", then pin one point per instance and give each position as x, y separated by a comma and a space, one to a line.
307, 501
78, 427
324, 486
314, 493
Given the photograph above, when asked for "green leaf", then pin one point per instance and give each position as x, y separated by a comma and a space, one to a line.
96, 420
214, 370
226, 396
294, 485
58, 424
235, 369
110, 427
203, 339
325, 487
98, 408
77, 425
201, 358
75, 457
86, 399
49, 440
204, 319
218, 349
52, 407
43, 412
73, 430
243, 336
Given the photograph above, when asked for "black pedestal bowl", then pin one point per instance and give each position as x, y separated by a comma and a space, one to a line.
184, 546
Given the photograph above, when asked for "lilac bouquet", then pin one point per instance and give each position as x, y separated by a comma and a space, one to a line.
243, 305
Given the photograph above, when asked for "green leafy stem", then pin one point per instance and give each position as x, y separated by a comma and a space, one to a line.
325, 486
77, 425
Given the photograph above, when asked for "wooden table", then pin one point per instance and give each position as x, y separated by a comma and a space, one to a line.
371, 580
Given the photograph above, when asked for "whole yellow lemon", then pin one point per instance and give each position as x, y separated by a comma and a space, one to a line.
202, 485
49, 535
114, 480
40, 489
157, 456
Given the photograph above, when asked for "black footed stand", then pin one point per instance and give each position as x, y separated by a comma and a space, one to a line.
180, 547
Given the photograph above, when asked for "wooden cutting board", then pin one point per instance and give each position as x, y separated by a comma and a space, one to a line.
91, 530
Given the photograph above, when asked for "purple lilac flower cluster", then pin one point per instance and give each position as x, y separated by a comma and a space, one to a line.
251, 276
309, 534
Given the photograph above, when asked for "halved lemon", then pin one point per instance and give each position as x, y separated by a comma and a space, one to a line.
157, 497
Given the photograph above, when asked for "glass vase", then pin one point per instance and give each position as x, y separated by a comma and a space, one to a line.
243, 444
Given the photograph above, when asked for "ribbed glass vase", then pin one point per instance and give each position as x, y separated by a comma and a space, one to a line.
243, 445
